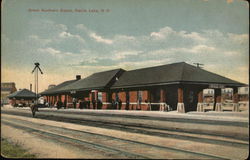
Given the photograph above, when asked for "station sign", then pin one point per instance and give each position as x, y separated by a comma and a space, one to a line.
216, 86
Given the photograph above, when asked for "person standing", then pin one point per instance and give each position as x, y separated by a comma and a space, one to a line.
94, 103
113, 104
127, 105
99, 104
65, 103
74, 103
81, 104
119, 104
34, 108
59, 104
88, 104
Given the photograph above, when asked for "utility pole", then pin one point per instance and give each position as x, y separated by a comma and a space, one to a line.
198, 65
36, 78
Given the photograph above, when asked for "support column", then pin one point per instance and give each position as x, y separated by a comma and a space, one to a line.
96, 99
200, 101
66, 99
149, 100
55, 100
107, 97
48, 100
90, 96
235, 100
162, 95
217, 97
180, 105
52, 100
163, 105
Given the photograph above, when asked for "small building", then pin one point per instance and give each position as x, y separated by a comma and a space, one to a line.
23, 97
6, 89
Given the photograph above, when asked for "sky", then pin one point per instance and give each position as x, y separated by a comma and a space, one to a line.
81, 37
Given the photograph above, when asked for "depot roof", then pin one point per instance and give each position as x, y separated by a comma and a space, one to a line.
99, 80
24, 94
175, 73
55, 89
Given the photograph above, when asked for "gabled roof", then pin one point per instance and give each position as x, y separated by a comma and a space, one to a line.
170, 74
99, 80
55, 89
24, 93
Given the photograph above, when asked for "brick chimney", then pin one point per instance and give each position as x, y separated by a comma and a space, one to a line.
78, 77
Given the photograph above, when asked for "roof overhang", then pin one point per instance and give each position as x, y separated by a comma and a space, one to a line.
181, 82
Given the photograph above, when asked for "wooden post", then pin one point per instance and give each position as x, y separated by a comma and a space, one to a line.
200, 96
149, 96
107, 97
96, 95
235, 95
48, 99
90, 96
200, 101
162, 95
217, 99
180, 95
149, 100
66, 99
52, 100
180, 104
96, 98
235, 100
217, 95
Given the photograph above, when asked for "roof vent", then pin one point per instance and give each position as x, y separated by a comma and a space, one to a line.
78, 77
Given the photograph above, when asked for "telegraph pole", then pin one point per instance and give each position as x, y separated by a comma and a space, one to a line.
36, 78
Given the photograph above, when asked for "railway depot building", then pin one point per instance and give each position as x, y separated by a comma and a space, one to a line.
23, 97
177, 86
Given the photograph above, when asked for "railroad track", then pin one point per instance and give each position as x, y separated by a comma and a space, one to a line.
110, 145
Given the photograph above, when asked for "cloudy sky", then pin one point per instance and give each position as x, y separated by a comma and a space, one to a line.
127, 34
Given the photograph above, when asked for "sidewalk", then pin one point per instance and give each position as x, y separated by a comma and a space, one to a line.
211, 115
